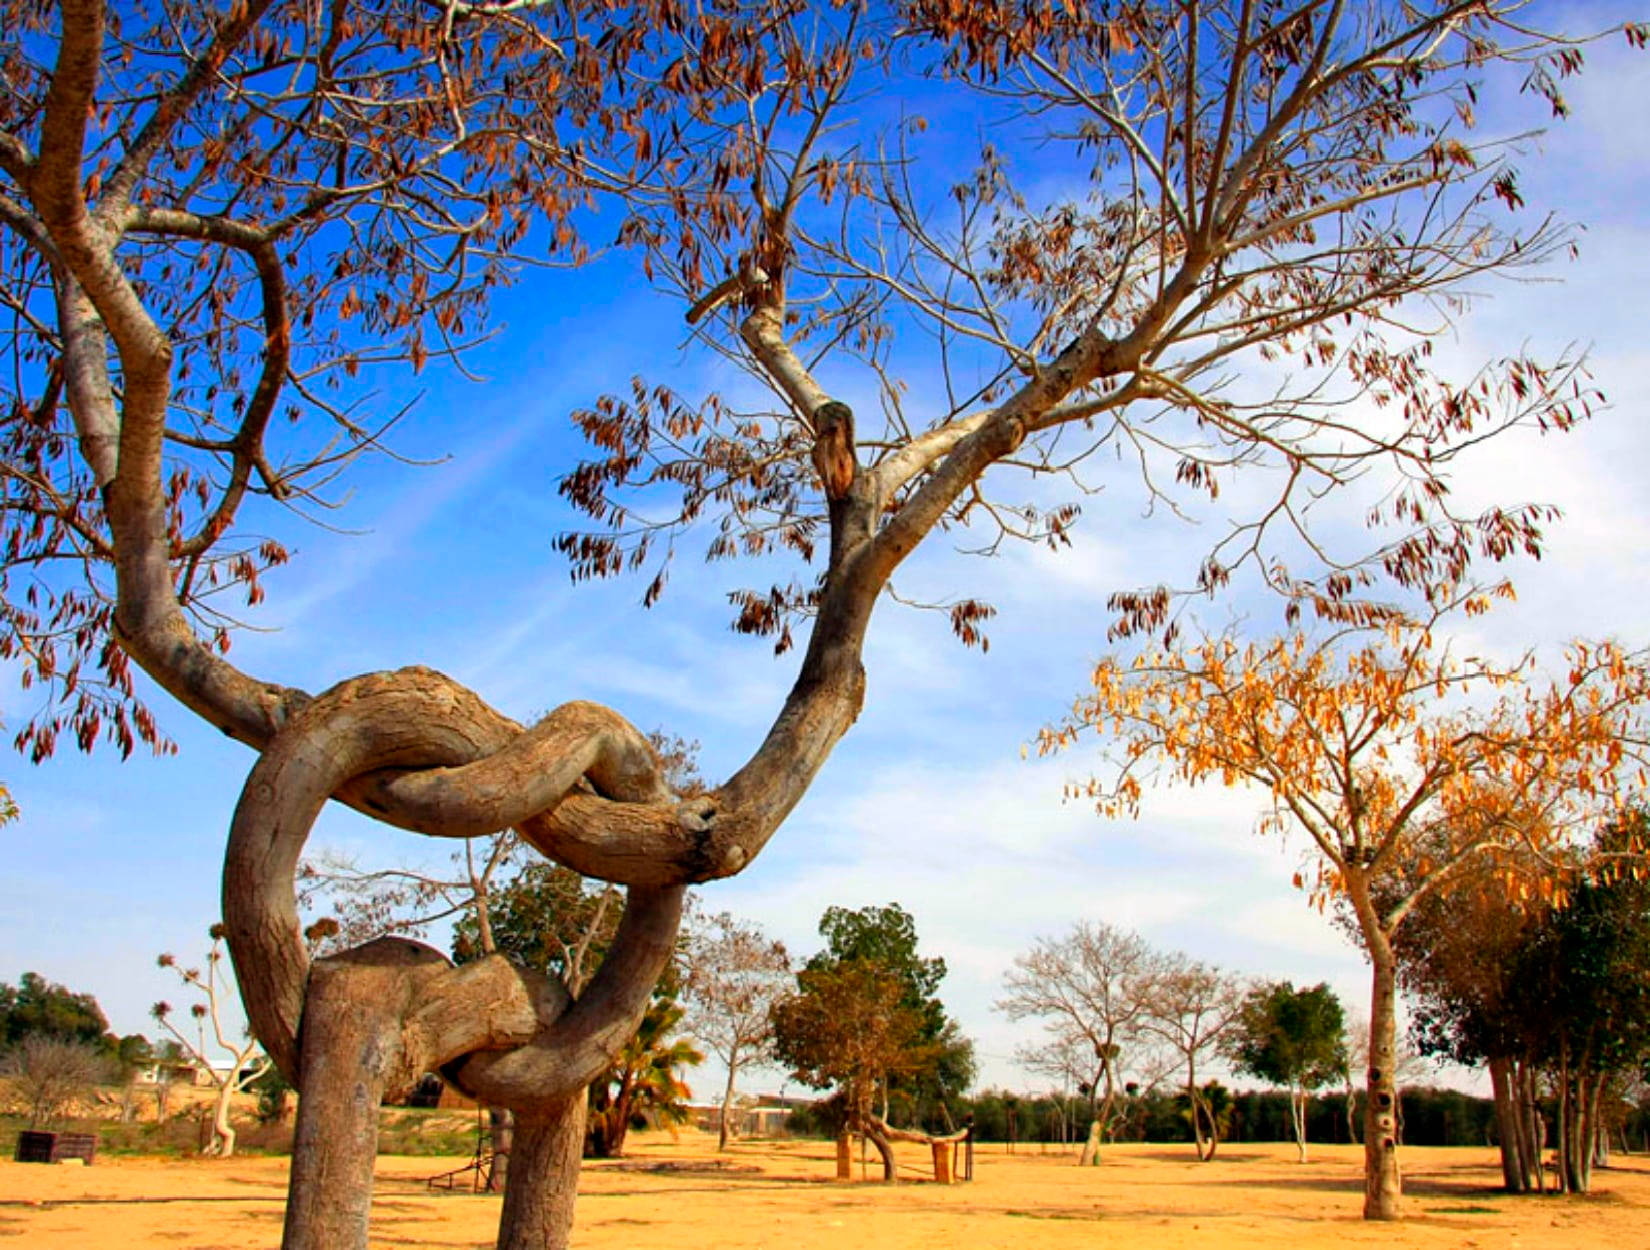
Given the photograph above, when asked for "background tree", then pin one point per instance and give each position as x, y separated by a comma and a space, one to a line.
1293, 1038
547, 917
368, 903
850, 1028
886, 938
246, 1065
1583, 978
733, 975
1458, 965
36, 1006
644, 1082
50, 1072
1190, 1006
1092, 989
206, 232
134, 1055
1065, 1060
1367, 741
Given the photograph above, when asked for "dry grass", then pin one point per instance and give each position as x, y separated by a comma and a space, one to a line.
679, 1193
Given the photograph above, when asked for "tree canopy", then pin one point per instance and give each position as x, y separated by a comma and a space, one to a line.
885, 938
1553, 993
215, 221
1293, 1038
38, 1007
865, 1020
1403, 763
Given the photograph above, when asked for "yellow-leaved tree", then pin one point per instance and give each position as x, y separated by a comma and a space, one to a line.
1401, 762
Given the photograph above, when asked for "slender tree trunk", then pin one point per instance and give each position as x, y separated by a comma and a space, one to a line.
1532, 1136
727, 1103
1578, 1122
1383, 1183
1297, 1120
1195, 1101
544, 1177
501, 1125
1565, 1116
223, 1133
1600, 1157
1514, 1175
1213, 1134
885, 1148
1090, 1155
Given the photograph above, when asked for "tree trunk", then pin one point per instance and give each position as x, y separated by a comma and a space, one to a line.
350, 1046
1195, 1100
1090, 1155
1532, 1129
845, 1155
1383, 1183
501, 1124
1514, 1177
1205, 1128
1297, 1120
223, 1133
544, 1177
885, 1148
727, 1105
1578, 1100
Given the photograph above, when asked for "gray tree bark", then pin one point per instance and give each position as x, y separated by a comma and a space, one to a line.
1383, 1182
544, 1176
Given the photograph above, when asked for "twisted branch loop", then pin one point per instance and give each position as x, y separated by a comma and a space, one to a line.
471, 771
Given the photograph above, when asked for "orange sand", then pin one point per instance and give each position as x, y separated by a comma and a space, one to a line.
679, 1193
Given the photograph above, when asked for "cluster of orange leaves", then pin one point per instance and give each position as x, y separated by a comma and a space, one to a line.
1389, 751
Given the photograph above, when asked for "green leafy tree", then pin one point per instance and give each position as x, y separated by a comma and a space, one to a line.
38, 1006
1458, 957
546, 917
1583, 983
886, 938
850, 1028
1293, 1038
1554, 997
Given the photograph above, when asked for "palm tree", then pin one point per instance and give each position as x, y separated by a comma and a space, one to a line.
643, 1083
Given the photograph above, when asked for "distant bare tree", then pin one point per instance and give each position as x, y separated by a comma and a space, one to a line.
1190, 1007
1063, 1060
50, 1073
246, 1064
735, 974
368, 903
1091, 987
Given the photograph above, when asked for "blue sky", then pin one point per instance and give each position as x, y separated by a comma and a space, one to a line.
928, 801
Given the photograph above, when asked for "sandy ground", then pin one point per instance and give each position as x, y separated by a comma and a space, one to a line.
779, 1195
